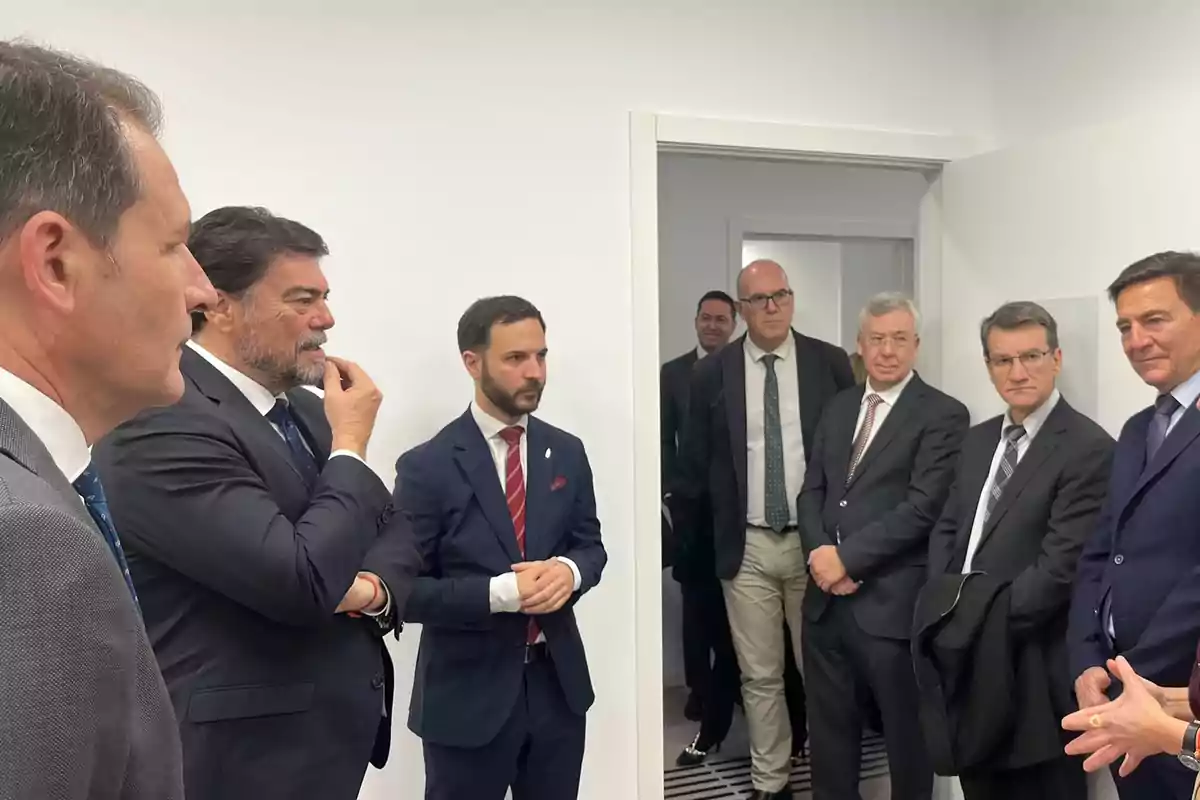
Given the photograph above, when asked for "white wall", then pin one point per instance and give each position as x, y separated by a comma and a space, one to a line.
395, 128
700, 195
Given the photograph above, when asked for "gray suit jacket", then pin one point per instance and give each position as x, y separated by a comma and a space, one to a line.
84, 713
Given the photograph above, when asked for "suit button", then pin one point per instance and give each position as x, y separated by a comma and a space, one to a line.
377, 682
1119, 559
842, 504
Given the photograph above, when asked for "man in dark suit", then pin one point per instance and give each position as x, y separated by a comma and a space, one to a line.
752, 416
1028, 491
505, 518
1138, 592
881, 466
716, 317
96, 290
252, 520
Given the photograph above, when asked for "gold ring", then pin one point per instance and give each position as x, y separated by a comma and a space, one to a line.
1095, 721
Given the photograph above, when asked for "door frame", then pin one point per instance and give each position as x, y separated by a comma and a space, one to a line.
650, 134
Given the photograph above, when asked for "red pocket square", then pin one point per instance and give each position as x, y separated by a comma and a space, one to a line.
558, 483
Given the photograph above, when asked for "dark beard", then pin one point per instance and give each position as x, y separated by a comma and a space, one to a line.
507, 403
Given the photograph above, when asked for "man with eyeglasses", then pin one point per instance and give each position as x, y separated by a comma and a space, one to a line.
1138, 593
752, 416
1028, 491
880, 471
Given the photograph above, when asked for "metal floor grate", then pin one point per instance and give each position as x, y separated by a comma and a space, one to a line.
717, 779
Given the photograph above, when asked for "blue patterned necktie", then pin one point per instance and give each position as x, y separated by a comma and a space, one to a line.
281, 415
776, 506
92, 491
1164, 408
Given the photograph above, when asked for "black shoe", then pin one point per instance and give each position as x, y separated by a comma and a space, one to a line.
693, 709
694, 754
783, 794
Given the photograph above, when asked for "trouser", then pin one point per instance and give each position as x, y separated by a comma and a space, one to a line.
766, 593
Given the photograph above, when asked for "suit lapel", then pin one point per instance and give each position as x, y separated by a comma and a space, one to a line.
808, 368
1182, 435
21, 444
539, 459
976, 466
908, 401
733, 386
474, 458
240, 411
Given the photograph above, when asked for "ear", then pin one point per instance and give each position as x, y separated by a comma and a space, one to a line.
54, 258
473, 362
223, 313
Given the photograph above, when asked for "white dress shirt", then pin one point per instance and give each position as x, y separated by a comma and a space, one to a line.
263, 401
889, 398
789, 420
1186, 395
1033, 423
50, 423
503, 594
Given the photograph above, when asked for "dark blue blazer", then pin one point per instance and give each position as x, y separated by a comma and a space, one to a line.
470, 665
1145, 556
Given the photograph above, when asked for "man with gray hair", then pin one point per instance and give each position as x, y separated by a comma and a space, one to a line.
1028, 492
96, 283
881, 468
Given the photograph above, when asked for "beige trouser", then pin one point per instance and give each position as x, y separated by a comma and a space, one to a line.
768, 589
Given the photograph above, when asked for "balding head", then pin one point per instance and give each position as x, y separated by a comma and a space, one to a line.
766, 303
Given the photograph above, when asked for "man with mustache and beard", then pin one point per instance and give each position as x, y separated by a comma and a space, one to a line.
258, 540
504, 514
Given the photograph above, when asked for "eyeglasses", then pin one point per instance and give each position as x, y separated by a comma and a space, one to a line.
1031, 359
898, 340
759, 301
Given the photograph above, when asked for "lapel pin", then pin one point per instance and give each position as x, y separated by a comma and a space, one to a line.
547, 452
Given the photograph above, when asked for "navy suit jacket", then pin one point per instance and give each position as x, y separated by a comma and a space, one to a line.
1145, 557
471, 662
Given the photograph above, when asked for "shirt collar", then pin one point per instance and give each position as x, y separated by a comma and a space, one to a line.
889, 396
1034, 422
1188, 391
489, 426
784, 351
700, 352
50, 423
258, 395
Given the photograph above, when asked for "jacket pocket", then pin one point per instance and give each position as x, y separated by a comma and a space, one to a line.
243, 702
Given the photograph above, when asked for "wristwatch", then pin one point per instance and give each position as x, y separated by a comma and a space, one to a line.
1190, 757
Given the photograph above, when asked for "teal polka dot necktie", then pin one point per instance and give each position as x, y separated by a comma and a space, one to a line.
92, 491
778, 510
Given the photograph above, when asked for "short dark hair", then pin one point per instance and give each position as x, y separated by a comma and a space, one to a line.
235, 245
475, 325
62, 148
717, 294
1182, 268
1011, 316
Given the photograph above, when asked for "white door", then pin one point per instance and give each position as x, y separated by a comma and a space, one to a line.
1055, 221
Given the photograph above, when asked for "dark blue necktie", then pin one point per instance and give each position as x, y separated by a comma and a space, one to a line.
281, 415
1164, 408
92, 491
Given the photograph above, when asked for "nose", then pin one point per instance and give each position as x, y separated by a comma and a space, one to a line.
1017, 373
198, 289
322, 318
1136, 338
535, 369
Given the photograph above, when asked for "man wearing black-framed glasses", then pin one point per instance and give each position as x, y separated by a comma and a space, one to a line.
752, 413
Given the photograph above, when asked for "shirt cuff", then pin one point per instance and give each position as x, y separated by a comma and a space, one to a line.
350, 453
504, 596
574, 571
387, 601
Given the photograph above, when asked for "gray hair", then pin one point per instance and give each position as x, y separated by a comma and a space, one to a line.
1011, 316
62, 147
886, 303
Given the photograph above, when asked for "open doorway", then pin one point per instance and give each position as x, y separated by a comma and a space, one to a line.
842, 233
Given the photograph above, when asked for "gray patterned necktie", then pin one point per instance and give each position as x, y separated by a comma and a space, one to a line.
864, 433
778, 510
1164, 408
1008, 465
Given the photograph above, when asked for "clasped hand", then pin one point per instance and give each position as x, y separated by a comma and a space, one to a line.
827, 569
544, 586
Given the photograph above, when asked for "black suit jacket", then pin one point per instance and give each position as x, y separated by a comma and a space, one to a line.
239, 568
471, 663
675, 380
713, 446
1032, 541
887, 511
